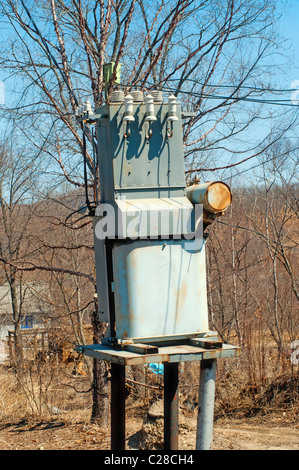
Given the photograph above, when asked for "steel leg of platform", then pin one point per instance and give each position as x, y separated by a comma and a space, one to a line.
171, 405
118, 411
204, 434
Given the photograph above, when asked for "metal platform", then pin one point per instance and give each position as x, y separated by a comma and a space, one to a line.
191, 350
205, 350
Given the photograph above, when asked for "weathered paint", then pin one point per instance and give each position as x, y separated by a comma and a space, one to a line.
135, 162
151, 288
181, 353
214, 196
204, 434
151, 283
160, 289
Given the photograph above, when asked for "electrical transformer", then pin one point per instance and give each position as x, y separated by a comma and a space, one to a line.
148, 226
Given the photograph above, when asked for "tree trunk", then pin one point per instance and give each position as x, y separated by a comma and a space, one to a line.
100, 394
16, 309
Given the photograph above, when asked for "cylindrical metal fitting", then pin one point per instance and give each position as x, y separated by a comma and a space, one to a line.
204, 433
215, 197
137, 95
117, 96
157, 95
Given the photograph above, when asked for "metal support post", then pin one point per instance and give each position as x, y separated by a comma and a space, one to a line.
118, 413
204, 435
171, 405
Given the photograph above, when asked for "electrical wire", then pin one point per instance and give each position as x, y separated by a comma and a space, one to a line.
245, 87
288, 103
277, 102
90, 209
74, 212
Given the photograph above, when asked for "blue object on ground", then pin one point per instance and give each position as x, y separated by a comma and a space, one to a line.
157, 368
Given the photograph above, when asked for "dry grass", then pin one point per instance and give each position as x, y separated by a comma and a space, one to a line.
36, 412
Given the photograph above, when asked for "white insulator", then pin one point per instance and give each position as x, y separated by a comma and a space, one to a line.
80, 110
150, 108
172, 108
129, 108
117, 96
157, 95
87, 107
137, 95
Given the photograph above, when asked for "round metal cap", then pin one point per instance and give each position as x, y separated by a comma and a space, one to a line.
218, 196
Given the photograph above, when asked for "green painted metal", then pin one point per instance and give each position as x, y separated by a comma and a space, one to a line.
159, 288
139, 158
150, 283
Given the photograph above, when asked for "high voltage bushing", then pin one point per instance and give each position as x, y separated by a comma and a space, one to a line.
157, 96
128, 115
117, 96
150, 108
137, 95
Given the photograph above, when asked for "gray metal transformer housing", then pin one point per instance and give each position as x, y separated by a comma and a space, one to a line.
150, 285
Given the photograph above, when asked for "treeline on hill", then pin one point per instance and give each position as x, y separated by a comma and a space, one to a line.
252, 258
251, 265
218, 58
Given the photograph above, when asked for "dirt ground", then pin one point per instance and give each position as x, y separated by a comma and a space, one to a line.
60, 433
245, 419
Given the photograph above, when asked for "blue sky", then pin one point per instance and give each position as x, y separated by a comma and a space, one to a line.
289, 23
289, 30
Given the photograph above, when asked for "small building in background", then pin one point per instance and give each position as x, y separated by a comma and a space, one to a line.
34, 304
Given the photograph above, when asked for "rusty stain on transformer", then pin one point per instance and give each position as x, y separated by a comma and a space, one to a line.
215, 196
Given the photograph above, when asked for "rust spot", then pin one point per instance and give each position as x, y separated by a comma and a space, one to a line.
218, 196
182, 294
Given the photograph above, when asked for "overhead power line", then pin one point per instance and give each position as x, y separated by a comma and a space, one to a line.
244, 87
289, 103
275, 102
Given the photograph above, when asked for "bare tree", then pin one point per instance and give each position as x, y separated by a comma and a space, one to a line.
211, 54
16, 172
58, 49
275, 220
